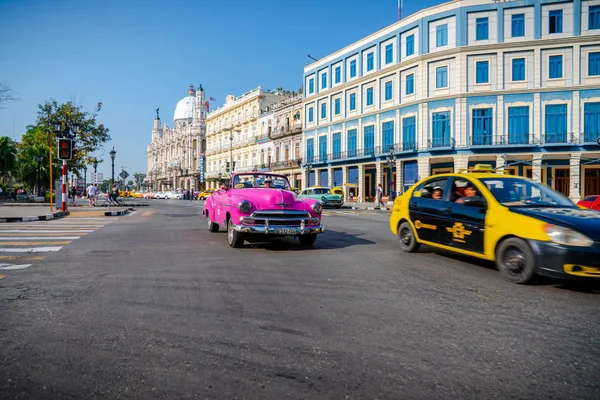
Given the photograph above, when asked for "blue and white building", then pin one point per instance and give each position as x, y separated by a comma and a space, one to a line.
512, 83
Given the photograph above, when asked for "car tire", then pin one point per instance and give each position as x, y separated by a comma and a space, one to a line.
201, 198
307, 240
515, 260
407, 238
234, 238
338, 207
212, 227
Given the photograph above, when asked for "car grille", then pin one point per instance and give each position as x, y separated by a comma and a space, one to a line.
280, 218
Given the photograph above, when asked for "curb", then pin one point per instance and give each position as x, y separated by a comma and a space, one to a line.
372, 208
45, 217
116, 213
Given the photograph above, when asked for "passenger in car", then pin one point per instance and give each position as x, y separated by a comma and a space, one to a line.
470, 191
437, 193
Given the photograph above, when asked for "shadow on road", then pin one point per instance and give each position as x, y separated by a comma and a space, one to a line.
328, 240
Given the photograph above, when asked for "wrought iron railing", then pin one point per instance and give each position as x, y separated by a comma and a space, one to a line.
441, 143
560, 138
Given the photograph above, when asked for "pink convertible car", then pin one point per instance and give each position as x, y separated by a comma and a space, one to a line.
257, 206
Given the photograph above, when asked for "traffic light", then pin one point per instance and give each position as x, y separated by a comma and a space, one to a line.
65, 149
226, 166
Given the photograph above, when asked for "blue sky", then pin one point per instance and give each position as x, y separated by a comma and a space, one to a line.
135, 55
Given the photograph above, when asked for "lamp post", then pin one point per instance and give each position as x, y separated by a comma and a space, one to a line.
112, 153
71, 130
95, 164
308, 169
39, 161
391, 159
85, 176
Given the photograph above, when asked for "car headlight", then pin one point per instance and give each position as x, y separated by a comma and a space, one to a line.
244, 206
566, 236
323, 198
317, 208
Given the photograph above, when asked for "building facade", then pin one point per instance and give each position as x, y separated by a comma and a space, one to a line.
515, 84
175, 155
232, 131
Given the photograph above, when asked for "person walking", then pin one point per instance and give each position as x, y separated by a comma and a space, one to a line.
91, 194
192, 194
96, 194
379, 195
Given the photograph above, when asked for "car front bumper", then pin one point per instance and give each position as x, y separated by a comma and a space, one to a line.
567, 262
279, 230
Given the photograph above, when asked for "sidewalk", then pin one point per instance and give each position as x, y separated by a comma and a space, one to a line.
26, 212
367, 206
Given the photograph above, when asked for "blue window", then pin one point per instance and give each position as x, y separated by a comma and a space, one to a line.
555, 67
410, 45
352, 101
388, 90
369, 140
323, 148
440, 134
555, 21
310, 150
323, 81
370, 96
336, 140
409, 133
441, 77
311, 86
323, 110
389, 53
351, 143
311, 114
594, 17
594, 64
518, 25
481, 29
388, 136
518, 69
591, 122
518, 125
556, 123
410, 84
370, 61
482, 127
336, 106
441, 35
338, 74
352, 68
482, 74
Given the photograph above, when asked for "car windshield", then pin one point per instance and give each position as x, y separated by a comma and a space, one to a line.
249, 181
519, 192
321, 191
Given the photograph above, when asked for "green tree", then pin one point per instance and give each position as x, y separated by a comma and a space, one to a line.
8, 157
34, 142
139, 179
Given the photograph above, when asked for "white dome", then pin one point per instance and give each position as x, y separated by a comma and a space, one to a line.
185, 108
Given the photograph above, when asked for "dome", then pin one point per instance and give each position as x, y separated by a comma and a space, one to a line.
185, 108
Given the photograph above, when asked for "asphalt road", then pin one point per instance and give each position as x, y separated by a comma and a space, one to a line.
152, 305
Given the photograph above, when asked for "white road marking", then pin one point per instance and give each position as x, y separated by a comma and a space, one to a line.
39, 237
30, 249
43, 231
14, 266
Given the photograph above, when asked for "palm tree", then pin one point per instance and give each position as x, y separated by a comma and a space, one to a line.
8, 157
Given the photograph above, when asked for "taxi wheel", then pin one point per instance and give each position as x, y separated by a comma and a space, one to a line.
234, 238
408, 242
212, 227
515, 260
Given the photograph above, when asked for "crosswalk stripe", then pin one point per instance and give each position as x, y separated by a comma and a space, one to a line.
23, 258
30, 249
43, 231
31, 243
40, 237
14, 266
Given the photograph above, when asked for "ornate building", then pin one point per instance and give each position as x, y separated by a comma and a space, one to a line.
175, 155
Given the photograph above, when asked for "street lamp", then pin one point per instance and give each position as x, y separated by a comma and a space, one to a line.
391, 159
308, 169
70, 132
85, 175
112, 153
39, 161
95, 164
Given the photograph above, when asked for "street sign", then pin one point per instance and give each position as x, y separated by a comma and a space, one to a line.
65, 149
202, 168
124, 175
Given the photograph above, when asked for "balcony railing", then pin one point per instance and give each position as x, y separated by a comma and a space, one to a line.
285, 164
590, 138
286, 131
522, 139
441, 143
560, 138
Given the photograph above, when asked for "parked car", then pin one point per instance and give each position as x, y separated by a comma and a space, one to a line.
161, 195
258, 206
174, 196
324, 195
203, 195
592, 202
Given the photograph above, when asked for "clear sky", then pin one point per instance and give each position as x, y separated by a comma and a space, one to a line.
137, 55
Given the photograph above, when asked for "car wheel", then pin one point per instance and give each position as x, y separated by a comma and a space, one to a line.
201, 198
307, 240
338, 207
234, 238
212, 227
515, 260
408, 240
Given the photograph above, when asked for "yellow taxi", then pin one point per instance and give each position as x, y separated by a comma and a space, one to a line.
203, 195
524, 226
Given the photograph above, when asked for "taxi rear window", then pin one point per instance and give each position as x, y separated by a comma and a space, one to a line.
425, 189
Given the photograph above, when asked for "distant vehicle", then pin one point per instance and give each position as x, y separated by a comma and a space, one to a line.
591, 202
259, 206
203, 195
324, 195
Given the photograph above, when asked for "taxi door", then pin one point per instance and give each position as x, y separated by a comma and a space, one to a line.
424, 210
465, 224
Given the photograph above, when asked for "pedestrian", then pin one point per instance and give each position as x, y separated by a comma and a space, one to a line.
90, 191
379, 195
192, 194
96, 195
74, 192
114, 192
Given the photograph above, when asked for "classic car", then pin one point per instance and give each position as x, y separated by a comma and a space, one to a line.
204, 194
324, 195
257, 206
591, 202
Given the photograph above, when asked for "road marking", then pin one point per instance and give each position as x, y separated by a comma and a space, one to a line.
31, 243
147, 213
14, 266
42, 231
2, 276
25, 258
30, 249
41, 235
41, 238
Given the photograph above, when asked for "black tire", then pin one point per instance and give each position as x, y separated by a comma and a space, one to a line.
234, 238
201, 198
307, 240
212, 227
407, 238
515, 260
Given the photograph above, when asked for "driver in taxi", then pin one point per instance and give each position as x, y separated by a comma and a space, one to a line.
470, 191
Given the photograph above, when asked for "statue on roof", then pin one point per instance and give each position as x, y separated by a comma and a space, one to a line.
157, 117
200, 87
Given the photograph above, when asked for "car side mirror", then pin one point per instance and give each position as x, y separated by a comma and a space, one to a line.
475, 201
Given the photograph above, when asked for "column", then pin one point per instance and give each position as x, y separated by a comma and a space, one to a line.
344, 180
537, 115
398, 177
461, 162
330, 177
424, 167
500, 162
317, 180
536, 164
379, 177
576, 124
575, 177
361, 183
499, 119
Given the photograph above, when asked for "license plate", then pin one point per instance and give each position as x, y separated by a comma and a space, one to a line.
285, 231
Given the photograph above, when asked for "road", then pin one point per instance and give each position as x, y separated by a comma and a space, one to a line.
152, 305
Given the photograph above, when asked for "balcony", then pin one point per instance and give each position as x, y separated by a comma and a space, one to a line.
590, 138
445, 143
560, 139
277, 165
283, 131
517, 140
